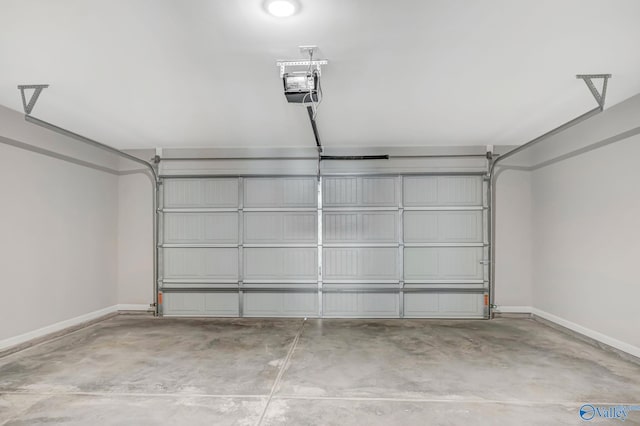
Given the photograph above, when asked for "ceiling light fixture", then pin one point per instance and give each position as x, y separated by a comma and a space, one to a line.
281, 8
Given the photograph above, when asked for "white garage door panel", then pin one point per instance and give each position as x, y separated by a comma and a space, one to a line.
200, 193
359, 191
445, 305
209, 304
365, 227
442, 191
288, 264
280, 304
280, 192
280, 227
443, 226
360, 263
340, 191
378, 191
359, 304
201, 228
201, 264
359, 212
443, 263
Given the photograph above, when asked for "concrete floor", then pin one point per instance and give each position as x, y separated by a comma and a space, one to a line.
139, 370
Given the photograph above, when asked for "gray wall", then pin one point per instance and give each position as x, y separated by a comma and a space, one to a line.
586, 229
514, 233
135, 240
58, 229
567, 230
586, 240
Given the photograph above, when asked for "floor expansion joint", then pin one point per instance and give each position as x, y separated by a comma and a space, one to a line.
283, 368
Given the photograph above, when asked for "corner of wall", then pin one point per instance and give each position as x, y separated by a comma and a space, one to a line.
135, 239
514, 260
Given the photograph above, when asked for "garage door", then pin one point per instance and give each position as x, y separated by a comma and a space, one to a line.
368, 246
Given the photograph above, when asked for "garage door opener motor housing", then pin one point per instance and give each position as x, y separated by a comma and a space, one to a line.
300, 86
301, 77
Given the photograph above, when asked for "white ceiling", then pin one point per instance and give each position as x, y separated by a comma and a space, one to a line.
201, 73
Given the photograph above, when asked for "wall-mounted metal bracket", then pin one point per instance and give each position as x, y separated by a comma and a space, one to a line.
599, 96
308, 50
310, 63
37, 89
301, 63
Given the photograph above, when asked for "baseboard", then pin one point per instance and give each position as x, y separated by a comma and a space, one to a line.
133, 307
23, 341
513, 309
32, 337
590, 334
